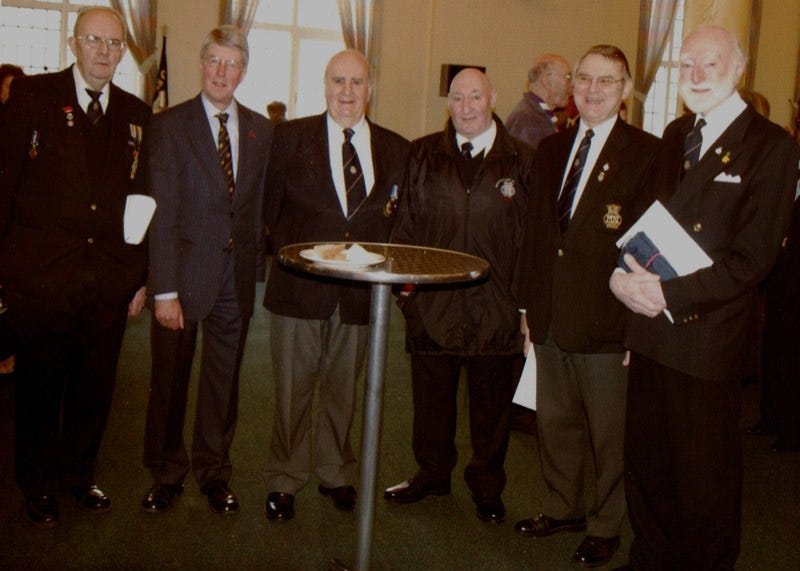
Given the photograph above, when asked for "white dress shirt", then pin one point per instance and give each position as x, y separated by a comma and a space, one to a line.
84, 98
233, 126
601, 133
363, 143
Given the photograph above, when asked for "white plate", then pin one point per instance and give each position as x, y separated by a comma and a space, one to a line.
313, 256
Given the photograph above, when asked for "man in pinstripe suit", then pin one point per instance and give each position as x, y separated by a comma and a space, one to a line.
209, 158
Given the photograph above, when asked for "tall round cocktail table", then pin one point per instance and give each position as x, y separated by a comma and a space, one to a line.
402, 264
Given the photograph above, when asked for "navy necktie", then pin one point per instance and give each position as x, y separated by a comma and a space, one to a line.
355, 188
573, 178
691, 146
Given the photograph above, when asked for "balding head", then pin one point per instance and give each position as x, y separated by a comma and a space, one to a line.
550, 78
471, 101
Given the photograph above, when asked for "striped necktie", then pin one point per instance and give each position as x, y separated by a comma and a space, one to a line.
224, 151
355, 188
691, 146
573, 178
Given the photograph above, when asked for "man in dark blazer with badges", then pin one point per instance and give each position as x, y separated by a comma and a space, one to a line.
206, 171
71, 153
318, 326
582, 201
728, 176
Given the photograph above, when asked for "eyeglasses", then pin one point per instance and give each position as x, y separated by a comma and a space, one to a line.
95, 42
604, 81
216, 61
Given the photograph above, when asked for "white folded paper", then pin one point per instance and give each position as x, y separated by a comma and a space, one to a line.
674, 243
139, 209
526, 389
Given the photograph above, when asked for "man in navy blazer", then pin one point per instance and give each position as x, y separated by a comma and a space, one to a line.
70, 276
318, 326
573, 320
733, 195
208, 160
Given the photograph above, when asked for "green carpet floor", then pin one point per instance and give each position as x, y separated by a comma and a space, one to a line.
438, 533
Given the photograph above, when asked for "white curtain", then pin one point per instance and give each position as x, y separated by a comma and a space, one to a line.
360, 32
239, 13
140, 18
655, 26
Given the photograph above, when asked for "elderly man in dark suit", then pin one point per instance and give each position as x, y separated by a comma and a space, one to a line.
71, 153
206, 171
728, 176
319, 327
586, 183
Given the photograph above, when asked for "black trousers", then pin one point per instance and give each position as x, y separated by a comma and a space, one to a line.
67, 352
683, 468
491, 387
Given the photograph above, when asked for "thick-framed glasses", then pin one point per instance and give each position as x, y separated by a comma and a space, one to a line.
605, 81
95, 42
216, 61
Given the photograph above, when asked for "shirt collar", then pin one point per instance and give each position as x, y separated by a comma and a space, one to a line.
481, 143
601, 131
211, 111
334, 127
80, 90
723, 114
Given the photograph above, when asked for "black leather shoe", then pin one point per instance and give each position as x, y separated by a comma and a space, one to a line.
543, 525
42, 511
595, 551
414, 490
92, 499
344, 497
159, 498
491, 511
221, 499
280, 506
760, 428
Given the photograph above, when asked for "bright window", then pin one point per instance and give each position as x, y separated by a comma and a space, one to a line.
291, 41
33, 35
661, 104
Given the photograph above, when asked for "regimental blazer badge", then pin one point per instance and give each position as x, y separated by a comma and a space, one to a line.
507, 188
612, 219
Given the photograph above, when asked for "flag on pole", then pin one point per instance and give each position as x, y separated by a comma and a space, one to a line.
161, 93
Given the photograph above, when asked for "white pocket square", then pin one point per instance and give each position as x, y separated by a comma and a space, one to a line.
725, 177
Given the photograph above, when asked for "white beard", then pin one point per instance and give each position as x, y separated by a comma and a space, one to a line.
703, 103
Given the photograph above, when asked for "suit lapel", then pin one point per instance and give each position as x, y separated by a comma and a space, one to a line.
245, 149
68, 102
720, 156
594, 191
204, 145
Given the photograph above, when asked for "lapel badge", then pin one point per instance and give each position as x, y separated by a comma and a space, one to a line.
391, 206
251, 134
69, 115
612, 219
602, 176
34, 149
726, 158
507, 188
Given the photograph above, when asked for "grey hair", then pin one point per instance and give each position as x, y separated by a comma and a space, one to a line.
230, 37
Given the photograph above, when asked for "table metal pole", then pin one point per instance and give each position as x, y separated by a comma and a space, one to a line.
371, 422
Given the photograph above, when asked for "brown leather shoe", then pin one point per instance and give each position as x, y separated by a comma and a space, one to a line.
221, 498
344, 497
414, 490
595, 551
544, 525
91, 498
